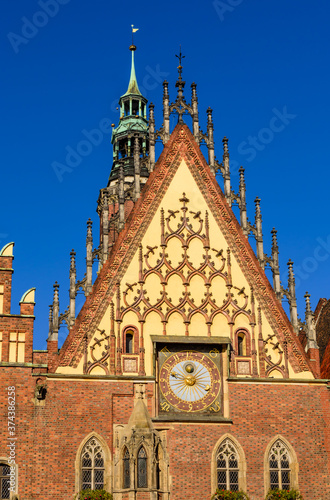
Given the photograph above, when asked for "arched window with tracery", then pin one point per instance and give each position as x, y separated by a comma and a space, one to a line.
227, 466
142, 481
4, 481
279, 466
126, 469
92, 466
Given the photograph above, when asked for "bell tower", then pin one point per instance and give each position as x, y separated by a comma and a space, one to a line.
130, 167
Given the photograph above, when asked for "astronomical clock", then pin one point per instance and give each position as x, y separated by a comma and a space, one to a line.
189, 381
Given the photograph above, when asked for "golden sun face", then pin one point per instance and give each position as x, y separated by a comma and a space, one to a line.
189, 381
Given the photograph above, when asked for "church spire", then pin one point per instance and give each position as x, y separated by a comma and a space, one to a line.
130, 166
133, 124
133, 87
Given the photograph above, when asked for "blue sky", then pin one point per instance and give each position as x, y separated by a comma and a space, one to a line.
262, 66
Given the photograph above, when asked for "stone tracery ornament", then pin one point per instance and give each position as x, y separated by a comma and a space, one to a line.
190, 226
104, 342
270, 364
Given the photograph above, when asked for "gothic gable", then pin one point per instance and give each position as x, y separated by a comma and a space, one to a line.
181, 267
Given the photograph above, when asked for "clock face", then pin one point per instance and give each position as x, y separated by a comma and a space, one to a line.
189, 381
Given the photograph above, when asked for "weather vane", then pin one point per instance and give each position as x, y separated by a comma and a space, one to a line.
180, 57
133, 31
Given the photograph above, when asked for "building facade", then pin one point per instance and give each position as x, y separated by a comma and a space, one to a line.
182, 373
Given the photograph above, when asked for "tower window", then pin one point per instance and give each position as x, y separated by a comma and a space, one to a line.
4, 481
227, 466
126, 467
279, 467
126, 108
142, 468
135, 107
92, 466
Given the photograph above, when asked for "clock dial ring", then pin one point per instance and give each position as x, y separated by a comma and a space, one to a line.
189, 381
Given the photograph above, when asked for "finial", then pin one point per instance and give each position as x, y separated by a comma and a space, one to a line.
242, 179
275, 265
257, 206
274, 236
193, 91
165, 89
50, 320
180, 57
308, 303
225, 145
72, 259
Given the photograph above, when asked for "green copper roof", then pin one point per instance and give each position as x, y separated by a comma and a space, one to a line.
133, 87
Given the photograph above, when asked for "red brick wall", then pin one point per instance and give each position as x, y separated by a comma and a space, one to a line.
49, 435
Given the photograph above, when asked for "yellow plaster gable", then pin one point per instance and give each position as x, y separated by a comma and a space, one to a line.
226, 322
182, 268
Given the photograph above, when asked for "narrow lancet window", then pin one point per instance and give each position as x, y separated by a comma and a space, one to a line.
126, 468
142, 469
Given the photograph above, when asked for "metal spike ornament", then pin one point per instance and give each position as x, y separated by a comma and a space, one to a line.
180, 57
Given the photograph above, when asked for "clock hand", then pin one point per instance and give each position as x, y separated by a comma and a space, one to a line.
174, 374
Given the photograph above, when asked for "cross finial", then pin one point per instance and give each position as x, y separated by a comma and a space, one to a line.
180, 57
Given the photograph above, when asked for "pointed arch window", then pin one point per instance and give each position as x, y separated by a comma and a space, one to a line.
4, 481
126, 469
92, 466
227, 466
130, 340
129, 343
241, 344
279, 466
142, 468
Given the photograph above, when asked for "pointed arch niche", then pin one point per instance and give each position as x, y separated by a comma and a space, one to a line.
99, 455
280, 465
227, 443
